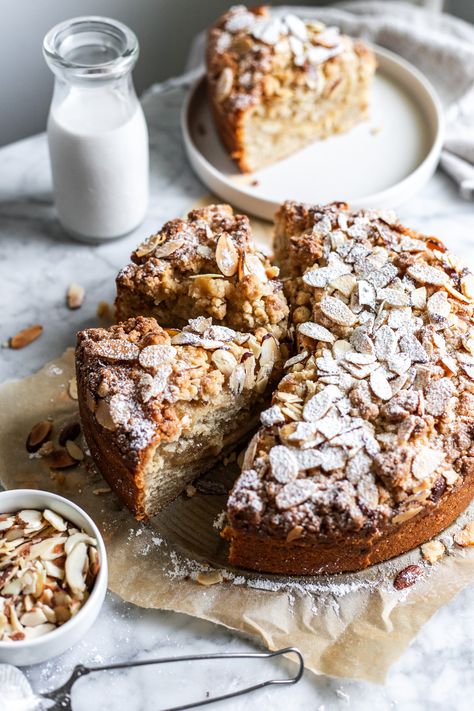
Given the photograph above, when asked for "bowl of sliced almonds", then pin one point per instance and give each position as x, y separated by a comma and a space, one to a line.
53, 575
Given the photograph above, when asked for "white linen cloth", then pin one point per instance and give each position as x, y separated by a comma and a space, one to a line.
440, 45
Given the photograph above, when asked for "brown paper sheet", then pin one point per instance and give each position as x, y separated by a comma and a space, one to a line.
346, 625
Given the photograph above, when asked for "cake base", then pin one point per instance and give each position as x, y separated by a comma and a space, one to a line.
354, 552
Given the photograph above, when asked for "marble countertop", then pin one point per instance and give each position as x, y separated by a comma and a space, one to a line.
37, 263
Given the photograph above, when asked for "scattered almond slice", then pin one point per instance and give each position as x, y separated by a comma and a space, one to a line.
75, 296
102, 490
25, 337
210, 578
38, 435
59, 459
433, 551
74, 450
465, 537
72, 388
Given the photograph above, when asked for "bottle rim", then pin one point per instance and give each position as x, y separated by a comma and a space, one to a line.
118, 43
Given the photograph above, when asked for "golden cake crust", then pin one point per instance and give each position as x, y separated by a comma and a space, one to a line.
367, 448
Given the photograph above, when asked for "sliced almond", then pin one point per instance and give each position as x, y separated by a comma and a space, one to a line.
210, 578
31, 518
117, 349
224, 84
294, 534
39, 433
25, 337
433, 551
34, 618
74, 450
59, 459
72, 388
227, 255
77, 538
75, 564
337, 311
75, 296
104, 416
465, 537
47, 549
270, 351
252, 264
224, 361
55, 520
168, 248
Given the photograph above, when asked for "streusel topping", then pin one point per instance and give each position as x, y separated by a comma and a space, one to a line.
374, 418
206, 264
141, 380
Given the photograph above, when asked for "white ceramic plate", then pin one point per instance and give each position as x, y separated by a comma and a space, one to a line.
380, 163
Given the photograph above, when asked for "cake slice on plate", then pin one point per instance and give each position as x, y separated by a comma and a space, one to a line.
277, 83
204, 265
367, 450
160, 407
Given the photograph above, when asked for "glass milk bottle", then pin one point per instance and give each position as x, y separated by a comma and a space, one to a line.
97, 135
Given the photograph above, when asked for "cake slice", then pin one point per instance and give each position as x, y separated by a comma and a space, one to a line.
205, 265
160, 407
277, 83
367, 449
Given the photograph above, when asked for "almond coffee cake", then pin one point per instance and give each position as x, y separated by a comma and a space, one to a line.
205, 265
160, 407
367, 448
277, 83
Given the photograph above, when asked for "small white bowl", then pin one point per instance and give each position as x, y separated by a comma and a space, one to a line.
53, 643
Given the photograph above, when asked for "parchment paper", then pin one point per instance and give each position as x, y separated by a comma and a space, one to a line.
347, 625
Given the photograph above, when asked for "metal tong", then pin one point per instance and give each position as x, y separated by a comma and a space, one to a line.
62, 695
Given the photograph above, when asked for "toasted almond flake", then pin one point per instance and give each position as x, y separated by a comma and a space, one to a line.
407, 515
467, 286
227, 255
38, 435
237, 379
337, 311
427, 274
101, 490
104, 416
380, 385
74, 569
55, 520
156, 355
74, 450
318, 405
465, 537
272, 416
418, 297
316, 332
224, 84
26, 336
116, 349
224, 361
70, 430
72, 388
438, 305
345, 284
426, 462
301, 357
75, 296
433, 551
283, 463
33, 618
213, 577
31, 518
167, 248
270, 352
59, 459
252, 264
295, 533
